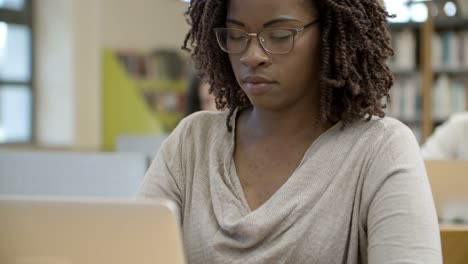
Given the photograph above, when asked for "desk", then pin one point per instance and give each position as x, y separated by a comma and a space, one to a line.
454, 243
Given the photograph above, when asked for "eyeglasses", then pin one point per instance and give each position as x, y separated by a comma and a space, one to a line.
275, 41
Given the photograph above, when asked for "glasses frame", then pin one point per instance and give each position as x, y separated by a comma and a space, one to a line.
294, 32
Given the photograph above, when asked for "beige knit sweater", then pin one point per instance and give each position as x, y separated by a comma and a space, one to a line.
360, 195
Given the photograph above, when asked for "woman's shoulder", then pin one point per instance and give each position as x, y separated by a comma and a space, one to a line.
379, 137
381, 128
205, 119
392, 125
202, 124
206, 116
391, 139
197, 131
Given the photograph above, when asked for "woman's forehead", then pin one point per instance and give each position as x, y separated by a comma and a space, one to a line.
261, 11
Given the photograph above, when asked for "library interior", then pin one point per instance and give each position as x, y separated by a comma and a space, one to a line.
90, 91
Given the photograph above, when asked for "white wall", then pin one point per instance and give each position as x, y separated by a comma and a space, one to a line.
142, 24
87, 52
54, 72
70, 35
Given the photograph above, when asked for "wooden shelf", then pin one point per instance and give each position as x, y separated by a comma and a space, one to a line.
410, 122
454, 241
452, 71
400, 26
453, 227
405, 72
451, 23
427, 74
439, 24
425, 70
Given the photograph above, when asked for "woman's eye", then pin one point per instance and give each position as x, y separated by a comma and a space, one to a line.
279, 35
236, 36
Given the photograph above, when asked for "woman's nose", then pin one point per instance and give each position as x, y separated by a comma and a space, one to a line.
255, 55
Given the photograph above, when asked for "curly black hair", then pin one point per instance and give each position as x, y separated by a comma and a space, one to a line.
355, 49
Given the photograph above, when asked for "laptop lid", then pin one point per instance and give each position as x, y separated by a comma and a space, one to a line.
85, 231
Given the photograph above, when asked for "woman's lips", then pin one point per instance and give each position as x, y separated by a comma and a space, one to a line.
258, 88
256, 84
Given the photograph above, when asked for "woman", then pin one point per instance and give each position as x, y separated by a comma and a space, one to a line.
303, 168
449, 141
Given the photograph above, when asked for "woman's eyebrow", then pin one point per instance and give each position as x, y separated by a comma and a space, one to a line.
267, 24
279, 20
233, 21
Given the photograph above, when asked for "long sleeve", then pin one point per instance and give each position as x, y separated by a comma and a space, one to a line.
401, 222
164, 178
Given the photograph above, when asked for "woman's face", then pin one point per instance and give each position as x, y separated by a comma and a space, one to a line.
277, 81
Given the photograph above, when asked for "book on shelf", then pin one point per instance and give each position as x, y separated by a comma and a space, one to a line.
405, 103
404, 44
405, 99
449, 96
450, 50
463, 7
160, 77
156, 65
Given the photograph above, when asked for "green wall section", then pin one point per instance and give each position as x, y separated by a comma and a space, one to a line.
124, 109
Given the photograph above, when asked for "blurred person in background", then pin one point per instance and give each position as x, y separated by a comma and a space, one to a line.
449, 141
198, 96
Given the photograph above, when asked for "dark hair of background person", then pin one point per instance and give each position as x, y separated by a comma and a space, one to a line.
192, 102
355, 48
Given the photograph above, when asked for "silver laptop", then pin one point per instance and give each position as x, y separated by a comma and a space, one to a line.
85, 231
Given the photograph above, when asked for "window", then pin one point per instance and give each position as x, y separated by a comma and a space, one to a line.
16, 75
17, 5
416, 10
407, 10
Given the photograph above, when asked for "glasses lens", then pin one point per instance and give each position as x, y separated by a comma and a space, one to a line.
232, 40
277, 40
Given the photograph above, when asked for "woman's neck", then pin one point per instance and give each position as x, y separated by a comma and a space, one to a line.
293, 122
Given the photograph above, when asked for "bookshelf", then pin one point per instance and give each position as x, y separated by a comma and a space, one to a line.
142, 94
406, 95
431, 72
427, 74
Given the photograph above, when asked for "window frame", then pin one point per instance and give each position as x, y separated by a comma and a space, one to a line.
23, 17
